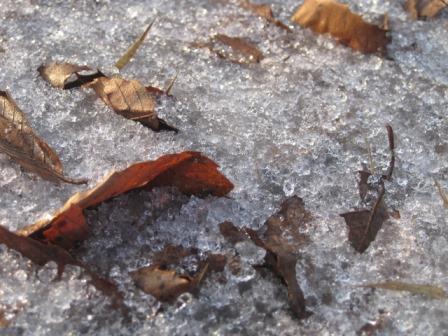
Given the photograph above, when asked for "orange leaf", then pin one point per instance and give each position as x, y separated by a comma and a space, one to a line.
191, 172
329, 16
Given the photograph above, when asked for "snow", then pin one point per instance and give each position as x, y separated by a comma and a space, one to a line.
297, 123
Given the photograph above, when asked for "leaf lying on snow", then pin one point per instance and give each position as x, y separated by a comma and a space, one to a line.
282, 240
190, 172
442, 193
425, 8
364, 224
430, 291
41, 253
128, 98
329, 16
242, 51
264, 11
166, 285
21, 144
130, 52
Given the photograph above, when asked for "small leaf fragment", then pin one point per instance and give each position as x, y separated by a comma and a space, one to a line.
67, 76
242, 46
166, 285
19, 141
191, 172
264, 11
433, 292
130, 52
336, 19
425, 8
442, 193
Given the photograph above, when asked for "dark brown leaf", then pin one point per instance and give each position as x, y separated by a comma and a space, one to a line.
166, 285
336, 19
191, 172
41, 253
364, 224
231, 233
425, 8
264, 11
19, 141
67, 76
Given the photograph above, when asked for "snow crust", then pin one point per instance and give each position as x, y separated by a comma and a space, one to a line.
297, 123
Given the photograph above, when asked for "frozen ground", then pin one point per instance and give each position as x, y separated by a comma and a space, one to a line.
298, 123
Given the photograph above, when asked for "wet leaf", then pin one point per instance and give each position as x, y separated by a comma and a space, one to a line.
132, 49
282, 239
191, 172
264, 11
425, 8
19, 141
166, 285
364, 224
67, 76
433, 292
334, 18
442, 193
41, 253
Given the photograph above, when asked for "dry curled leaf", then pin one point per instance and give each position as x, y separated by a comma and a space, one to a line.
68, 76
164, 284
336, 19
130, 52
364, 224
264, 11
19, 141
425, 8
433, 292
191, 172
128, 98
41, 253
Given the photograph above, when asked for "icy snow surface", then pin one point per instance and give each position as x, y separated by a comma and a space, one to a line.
297, 123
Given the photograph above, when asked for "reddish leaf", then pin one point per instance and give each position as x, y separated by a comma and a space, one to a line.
190, 172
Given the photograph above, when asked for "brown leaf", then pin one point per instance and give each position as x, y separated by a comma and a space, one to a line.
425, 8
264, 11
166, 285
3, 321
242, 46
364, 224
171, 255
21, 144
67, 76
330, 16
41, 253
433, 292
282, 240
130, 99
190, 172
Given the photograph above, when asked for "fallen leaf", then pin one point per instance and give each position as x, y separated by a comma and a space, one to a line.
442, 193
264, 11
171, 255
128, 98
336, 19
130, 52
425, 8
282, 240
19, 141
68, 76
166, 285
240, 45
433, 292
41, 253
364, 224
191, 172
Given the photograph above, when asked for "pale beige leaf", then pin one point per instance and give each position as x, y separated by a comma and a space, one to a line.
58, 74
334, 18
132, 49
430, 291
